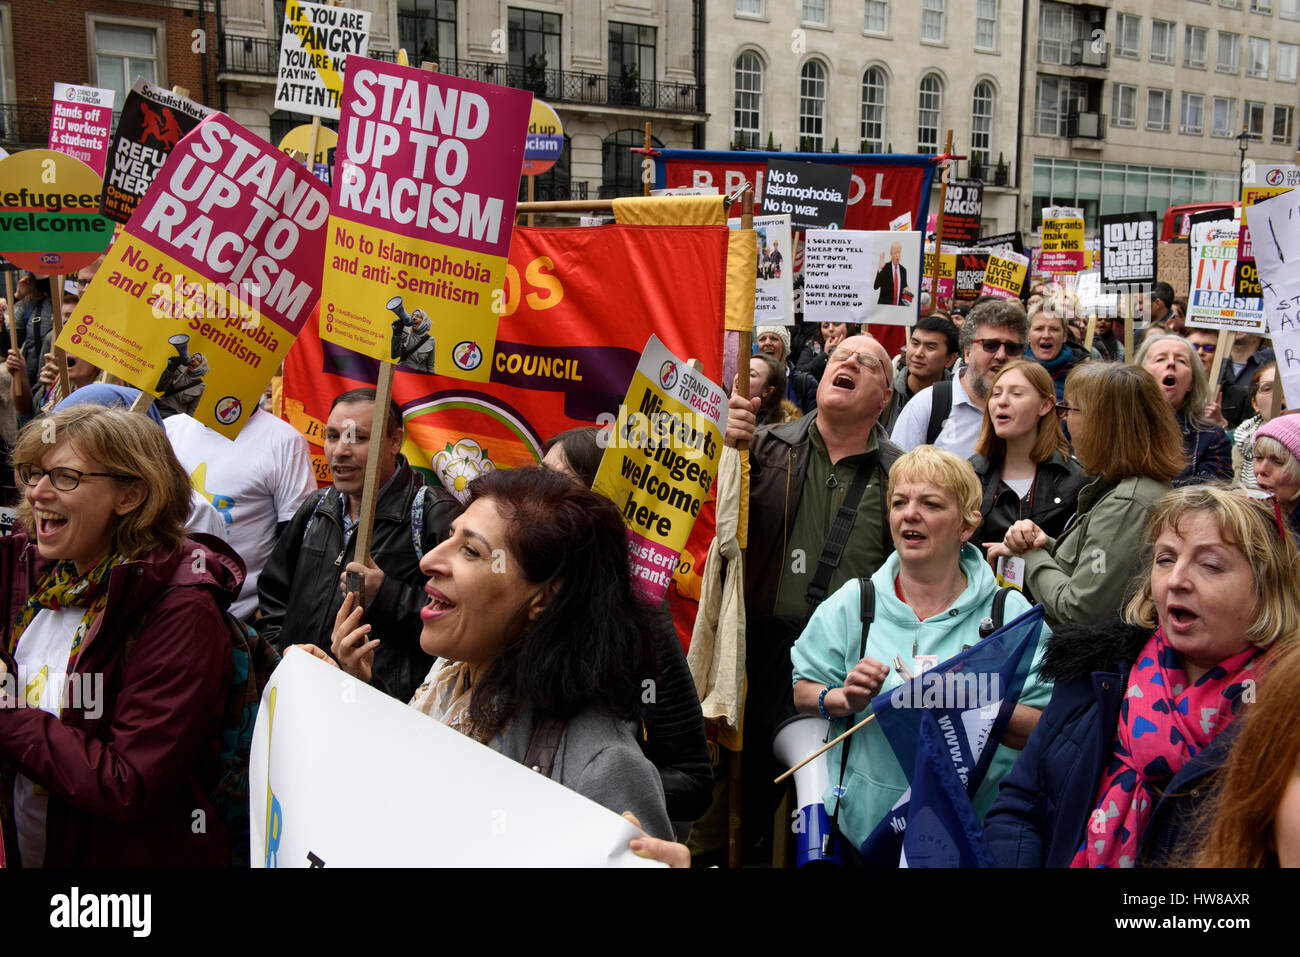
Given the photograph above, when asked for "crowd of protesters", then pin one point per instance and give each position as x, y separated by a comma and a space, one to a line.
1151, 512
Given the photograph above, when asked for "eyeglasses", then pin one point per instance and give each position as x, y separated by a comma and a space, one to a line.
865, 359
1062, 408
1206, 347
63, 479
991, 346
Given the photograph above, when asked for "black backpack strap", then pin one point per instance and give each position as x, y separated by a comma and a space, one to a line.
1000, 606
940, 407
838, 536
866, 614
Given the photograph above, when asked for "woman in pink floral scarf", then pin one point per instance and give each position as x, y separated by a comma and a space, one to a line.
1142, 714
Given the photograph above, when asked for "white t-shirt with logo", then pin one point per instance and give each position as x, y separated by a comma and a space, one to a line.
255, 482
42, 658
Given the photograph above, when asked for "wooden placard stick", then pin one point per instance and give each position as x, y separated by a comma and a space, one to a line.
11, 315
1128, 330
531, 195
1091, 331
938, 225
1220, 350
60, 357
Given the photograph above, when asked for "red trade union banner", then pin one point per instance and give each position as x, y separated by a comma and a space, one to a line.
882, 186
580, 305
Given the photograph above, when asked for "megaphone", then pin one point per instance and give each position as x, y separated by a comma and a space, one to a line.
181, 343
403, 319
795, 739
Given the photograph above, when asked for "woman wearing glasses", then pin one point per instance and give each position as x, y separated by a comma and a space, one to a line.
1022, 459
116, 660
1125, 434
1173, 362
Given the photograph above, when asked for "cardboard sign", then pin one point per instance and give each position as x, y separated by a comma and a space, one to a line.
947, 273
1011, 241
152, 123
212, 278
49, 212
545, 141
426, 179
1128, 249
969, 278
774, 288
1004, 276
661, 460
1090, 298
1276, 221
1262, 181
1213, 303
1062, 246
81, 121
424, 795
814, 196
963, 208
314, 49
861, 276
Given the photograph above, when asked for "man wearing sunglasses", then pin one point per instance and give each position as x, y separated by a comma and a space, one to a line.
949, 415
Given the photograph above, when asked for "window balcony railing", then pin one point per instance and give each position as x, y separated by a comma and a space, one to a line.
25, 125
1091, 126
1088, 53
260, 56
550, 192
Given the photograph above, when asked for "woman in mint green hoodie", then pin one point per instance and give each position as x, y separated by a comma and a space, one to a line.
930, 597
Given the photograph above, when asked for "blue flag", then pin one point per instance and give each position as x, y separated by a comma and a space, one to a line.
945, 725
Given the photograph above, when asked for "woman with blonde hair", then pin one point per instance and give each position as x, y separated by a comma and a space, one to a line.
1125, 434
1254, 812
115, 638
1021, 458
1181, 375
1114, 771
930, 596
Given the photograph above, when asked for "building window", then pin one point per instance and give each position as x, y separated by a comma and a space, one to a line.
426, 30
876, 16
1130, 36
631, 62
621, 172
1123, 105
1283, 124
1231, 4
1196, 41
121, 52
1056, 99
814, 11
1192, 118
986, 25
747, 120
932, 20
534, 50
1255, 119
753, 8
1229, 60
812, 106
1162, 41
1257, 57
873, 111
929, 108
981, 123
1289, 9
1286, 62
1158, 110
1225, 117
1261, 6
1055, 32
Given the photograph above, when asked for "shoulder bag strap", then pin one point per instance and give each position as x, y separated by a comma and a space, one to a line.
543, 745
838, 536
940, 407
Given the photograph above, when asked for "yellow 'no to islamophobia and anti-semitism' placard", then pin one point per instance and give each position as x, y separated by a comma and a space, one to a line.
426, 178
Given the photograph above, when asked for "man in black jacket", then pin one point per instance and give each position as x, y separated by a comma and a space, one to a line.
300, 590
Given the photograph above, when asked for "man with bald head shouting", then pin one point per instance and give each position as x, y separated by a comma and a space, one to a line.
802, 474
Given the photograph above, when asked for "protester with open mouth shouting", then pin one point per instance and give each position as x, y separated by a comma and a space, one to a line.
1143, 710
1181, 376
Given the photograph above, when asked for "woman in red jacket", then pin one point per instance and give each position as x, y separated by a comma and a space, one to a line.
116, 658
